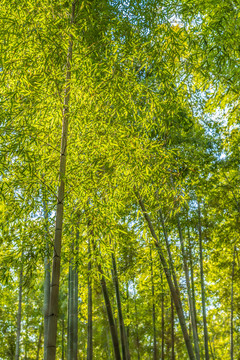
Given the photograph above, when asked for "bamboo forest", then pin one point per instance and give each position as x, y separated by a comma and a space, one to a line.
119, 180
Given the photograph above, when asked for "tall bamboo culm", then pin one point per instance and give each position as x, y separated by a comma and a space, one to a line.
54, 293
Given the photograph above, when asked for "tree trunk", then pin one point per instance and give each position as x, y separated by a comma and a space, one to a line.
73, 306
53, 307
190, 300
174, 278
172, 330
112, 325
128, 330
125, 350
136, 317
75, 301
192, 277
70, 312
231, 320
170, 259
89, 343
19, 315
153, 310
174, 291
46, 282
203, 285
163, 319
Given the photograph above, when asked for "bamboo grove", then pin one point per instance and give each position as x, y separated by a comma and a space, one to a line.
119, 180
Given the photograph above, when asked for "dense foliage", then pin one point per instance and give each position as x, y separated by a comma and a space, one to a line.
140, 98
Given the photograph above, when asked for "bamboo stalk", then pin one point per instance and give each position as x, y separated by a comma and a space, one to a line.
203, 286
54, 294
173, 290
